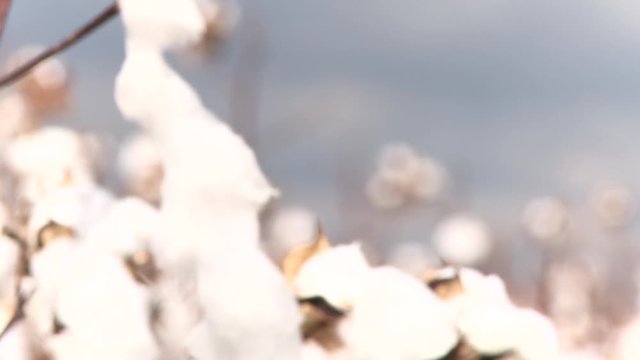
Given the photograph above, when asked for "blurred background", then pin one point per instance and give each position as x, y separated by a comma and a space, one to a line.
516, 105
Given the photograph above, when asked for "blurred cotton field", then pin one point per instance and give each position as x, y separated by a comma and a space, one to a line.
409, 180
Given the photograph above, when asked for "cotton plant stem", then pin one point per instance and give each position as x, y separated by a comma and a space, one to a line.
100, 19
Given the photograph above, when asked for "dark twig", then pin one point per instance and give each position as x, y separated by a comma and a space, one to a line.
85, 30
5, 5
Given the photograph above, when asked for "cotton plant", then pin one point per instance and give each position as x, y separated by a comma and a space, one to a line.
489, 323
387, 314
212, 193
86, 304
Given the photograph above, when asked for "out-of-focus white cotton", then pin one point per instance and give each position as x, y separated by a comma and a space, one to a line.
462, 240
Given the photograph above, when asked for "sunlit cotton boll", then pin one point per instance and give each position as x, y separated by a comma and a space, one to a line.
546, 220
290, 227
492, 325
612, 204
47, 86
396, 317
413, 258
403, 176
462, 239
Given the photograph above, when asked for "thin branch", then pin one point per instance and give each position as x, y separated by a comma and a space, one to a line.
5, 5
85, 30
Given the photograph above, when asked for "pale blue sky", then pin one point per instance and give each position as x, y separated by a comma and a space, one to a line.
524, 97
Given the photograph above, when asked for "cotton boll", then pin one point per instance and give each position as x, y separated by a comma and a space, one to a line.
537, 337
612, 204
445, 282
383, 195
333, 275
396, 317
78, 208
297, 257
546, 220
126, 227
403, 176
462, 240
228, 289
170, 24
212, 193
492, 329
47, 86
49, 159
221, 18
413, 258
401, 166
96, 300
140, 164
486, 318
480, 290
290, 228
